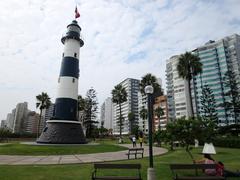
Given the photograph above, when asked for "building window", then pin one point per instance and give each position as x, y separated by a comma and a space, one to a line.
62, 54
75, 54
73, 80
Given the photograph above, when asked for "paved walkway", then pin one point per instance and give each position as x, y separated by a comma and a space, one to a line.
72, 159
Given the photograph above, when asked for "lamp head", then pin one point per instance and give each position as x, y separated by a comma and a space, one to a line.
148, 89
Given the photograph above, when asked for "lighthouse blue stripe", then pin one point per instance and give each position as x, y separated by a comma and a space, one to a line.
65, 109
70, 67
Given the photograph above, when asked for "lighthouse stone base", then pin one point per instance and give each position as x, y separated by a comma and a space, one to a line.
62, 133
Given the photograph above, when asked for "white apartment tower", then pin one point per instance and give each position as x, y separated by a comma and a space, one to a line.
177, 91
107, 113
131, 105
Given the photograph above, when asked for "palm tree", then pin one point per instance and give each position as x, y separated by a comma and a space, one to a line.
143, 115
189, 65
159, 112
131, 119
119, 96
150, 79
43, 102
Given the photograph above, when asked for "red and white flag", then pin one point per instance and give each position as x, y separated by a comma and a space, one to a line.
77, 14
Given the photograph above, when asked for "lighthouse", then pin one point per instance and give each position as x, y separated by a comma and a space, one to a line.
64, 127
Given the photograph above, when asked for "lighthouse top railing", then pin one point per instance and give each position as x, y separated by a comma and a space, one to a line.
72, 34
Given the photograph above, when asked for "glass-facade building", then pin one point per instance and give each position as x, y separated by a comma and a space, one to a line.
217, 57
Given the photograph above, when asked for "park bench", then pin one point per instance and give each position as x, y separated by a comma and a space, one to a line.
135, 152
109, 167
196, 175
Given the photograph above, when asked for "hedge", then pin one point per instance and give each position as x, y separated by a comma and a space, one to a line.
230, 142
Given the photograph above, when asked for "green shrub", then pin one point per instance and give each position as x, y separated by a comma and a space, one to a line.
230, 141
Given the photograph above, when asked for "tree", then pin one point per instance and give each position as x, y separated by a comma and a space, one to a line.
119, 96
102, 130
232, 103
187, 130
158, 136
91, 110
4, 134
208, 110
143, 115
159, 113
170, 134
43, 102
208, 114
150, 79
131, 119
189, 66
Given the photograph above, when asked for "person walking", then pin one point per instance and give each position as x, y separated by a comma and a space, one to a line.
134, 141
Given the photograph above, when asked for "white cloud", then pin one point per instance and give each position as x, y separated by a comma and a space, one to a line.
113, 31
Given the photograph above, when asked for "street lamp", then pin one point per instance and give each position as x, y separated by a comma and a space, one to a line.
149, 91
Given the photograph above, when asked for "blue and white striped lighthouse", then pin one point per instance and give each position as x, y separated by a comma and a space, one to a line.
64, 127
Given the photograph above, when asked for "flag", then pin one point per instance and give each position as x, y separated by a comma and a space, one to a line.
77, 14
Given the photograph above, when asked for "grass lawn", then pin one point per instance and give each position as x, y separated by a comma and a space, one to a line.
22, 149
230, 157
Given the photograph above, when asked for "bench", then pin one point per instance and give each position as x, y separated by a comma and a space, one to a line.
98, 166
135, 152
195, 167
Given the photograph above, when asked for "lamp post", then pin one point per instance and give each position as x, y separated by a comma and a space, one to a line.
149, 91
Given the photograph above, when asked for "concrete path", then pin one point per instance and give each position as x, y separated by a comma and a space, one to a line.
72, 159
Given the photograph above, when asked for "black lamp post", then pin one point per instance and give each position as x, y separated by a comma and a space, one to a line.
149, 91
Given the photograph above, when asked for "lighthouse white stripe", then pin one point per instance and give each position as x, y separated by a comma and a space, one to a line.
67, 88
71, 46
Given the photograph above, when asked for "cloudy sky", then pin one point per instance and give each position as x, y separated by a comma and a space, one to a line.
123, 38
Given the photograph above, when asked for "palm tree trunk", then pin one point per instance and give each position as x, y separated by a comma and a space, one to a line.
120, 120
39, 120
190, 95
159, 129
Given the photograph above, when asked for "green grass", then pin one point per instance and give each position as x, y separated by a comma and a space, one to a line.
230, 157
22, 149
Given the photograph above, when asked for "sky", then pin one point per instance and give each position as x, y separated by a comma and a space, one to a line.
123, 39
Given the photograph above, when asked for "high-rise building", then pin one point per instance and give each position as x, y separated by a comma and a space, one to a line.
3, 124
10, 119
20, 116
22, 120
107, 113
31, 122
131, 105
161, 101
217, 57
178, 98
